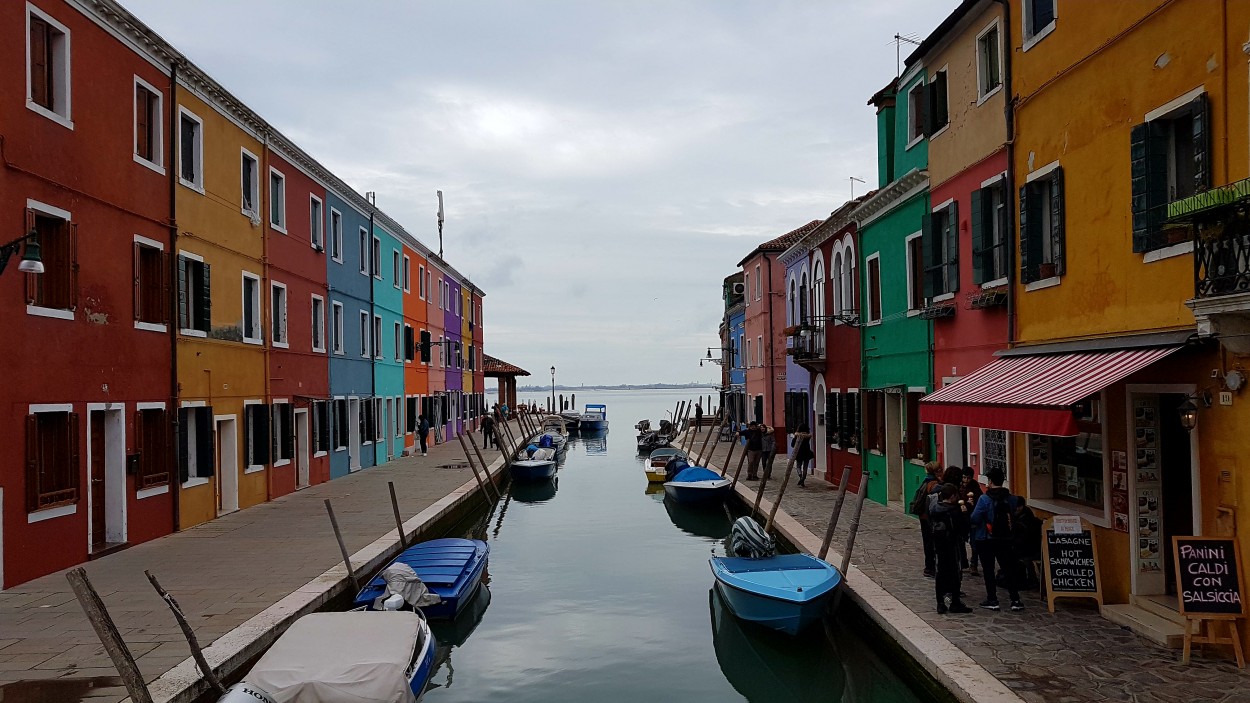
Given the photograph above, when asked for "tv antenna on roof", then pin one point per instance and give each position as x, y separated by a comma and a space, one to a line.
855, 180
899, 39
440, 223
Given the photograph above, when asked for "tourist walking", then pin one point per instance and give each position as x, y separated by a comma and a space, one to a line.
992, 537
969, 491
768, 450
698, 416
423, 433
488, 431
948, 519
801, 442
755, 445
920, 508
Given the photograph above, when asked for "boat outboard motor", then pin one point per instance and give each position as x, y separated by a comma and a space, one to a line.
675, 466
666, 427
644, 425
244, 692
748, 539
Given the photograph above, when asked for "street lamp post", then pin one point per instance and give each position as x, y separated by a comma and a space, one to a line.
553, 390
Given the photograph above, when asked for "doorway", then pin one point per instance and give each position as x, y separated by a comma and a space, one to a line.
353, 431
301, 449
894, 414
821, 446
106, 464
227, 464
955, 446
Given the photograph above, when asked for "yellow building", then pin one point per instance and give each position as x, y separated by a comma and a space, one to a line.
1121, 110
221, 357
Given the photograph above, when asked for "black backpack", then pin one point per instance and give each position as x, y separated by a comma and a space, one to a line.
1002, 522
920, 501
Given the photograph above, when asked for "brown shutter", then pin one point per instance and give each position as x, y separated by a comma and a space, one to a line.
143, 111
166, 291
138, 280
32, 280
73, 266
75, 467
40, 90
32, 463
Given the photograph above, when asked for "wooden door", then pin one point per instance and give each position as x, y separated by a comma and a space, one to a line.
98, 510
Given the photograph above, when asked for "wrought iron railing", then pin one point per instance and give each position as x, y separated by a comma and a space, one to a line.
807, 340
1222, 257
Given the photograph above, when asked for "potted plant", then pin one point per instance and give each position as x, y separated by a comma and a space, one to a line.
1046, 269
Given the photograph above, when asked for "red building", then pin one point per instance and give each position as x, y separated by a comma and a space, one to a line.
89, 389
299, 374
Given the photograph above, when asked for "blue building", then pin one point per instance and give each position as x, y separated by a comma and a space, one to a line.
733, 342
798, 286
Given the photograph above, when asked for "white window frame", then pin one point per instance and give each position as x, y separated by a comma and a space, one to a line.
1031, 38
336, 325
375, 258
911, 293
746, 297
407, 271
64, 94
421, 281
417, 349
318, 323
396, 268
158, 134
279, 326
194, 477
275, 442
759, 286
196, 185
404, 350
867, 297
280, 198
366, 254
399, 342
366, 334
254, 213
257, 309
50, 211
997, 23
913, 139
159, 246
247, 436
336, 235
377, 337
759, 351
317, 223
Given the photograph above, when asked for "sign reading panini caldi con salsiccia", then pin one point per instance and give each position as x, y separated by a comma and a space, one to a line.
1208, 575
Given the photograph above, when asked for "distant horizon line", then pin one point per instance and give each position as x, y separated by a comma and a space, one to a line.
618, 386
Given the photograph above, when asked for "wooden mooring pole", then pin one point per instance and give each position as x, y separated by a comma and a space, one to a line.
733, 446
481, 482
759, 494
209, 675
399, 523
109, 636
837, 511
785, 481
738, 471
850, 538
347, 560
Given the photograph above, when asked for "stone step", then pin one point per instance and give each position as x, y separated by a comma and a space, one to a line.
1152, 605
1161, 631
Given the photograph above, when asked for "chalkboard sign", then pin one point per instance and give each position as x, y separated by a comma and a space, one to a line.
1208, 572
1070, 558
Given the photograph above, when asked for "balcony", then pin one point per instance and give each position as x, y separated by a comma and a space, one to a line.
1219, 222
807, 345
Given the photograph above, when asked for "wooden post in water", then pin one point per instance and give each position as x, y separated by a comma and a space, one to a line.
759, 494
481, 482
859, 509
837, 511
399, 523
691, 436
347, 560
209, 675
738, 471
485, 467
733, 445
781, 492
109, 636
702, 448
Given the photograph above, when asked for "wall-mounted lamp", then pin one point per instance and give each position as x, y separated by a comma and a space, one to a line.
1188, 410
31, 261
727, 357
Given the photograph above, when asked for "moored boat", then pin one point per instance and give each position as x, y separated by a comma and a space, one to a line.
352, 657
595, 417
451, 568
538, 465
658, 460
785, 592
696, 484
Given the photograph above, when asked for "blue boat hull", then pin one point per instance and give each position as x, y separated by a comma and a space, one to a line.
586, 425
787, 592
421, 674
790, 618
450, 567
529, 472
696, 495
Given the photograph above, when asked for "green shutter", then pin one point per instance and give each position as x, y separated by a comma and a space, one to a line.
1148, 151
1030, 234
183, 300
952, 248
930, 264
184, 467
205, 442
206, 299
1056, 220
977, 216
1202, 160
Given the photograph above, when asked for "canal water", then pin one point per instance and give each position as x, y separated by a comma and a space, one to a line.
599, 590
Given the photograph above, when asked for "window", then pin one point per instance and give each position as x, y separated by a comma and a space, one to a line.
377, 336
937, 112
151, 284
148, 123
442, 295
377, 258
411, 415
256, 419
52, 459
792, 315
48, 80
340, 424
759, 285
364, 251
459, 356
941, 249
989, 61
249, 180
759, 351
1170, 161
337, 327
152, 445
848, 419
277, 317
426, 342
429, 283
398, 419
399, 342
318, 324
195, 302
1041, 226
366, 421
994, 451
442, 353
874, 421
915, 273
916, 438
407, 275
1075, 464
746, 286
410, 344
396, 269
190, 150
1039, 20
379, 420
872, 314
364, 334
336, 235
321, 427
283, 434
989, 232
57, 287
316, 224
916, 119
277, 200
197, 446
251, 309
421, 280
849, 282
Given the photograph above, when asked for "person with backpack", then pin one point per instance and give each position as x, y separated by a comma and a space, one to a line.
992, 539
1027, 543
768, 450
755, 445
423, 433
920, 508
802, 444
948, 519
488, 431
969, 491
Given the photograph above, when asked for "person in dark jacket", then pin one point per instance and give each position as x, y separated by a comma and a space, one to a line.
948, 519
1026, 540
969, 490
803, 455
992, 538
768, 450
423, 432
755, 445
488, 431
920, 508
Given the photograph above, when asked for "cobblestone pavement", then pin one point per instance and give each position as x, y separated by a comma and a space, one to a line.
222, 573
1072, 656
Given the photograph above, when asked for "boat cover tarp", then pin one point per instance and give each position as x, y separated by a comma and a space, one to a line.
544, 454
695, 474
353, 657
402, 580
748, 539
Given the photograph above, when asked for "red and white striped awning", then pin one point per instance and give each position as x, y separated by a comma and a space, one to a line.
1033, 394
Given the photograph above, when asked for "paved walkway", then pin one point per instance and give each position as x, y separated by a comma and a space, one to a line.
222, 573
1072, 656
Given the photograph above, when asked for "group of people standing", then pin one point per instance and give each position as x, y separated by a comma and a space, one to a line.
761, 448
956, 514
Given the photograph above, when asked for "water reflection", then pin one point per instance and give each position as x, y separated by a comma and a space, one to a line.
595, 441
534, 491
454, 633
764, 665
701, 521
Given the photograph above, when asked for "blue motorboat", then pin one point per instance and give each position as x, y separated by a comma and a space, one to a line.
451, 568
595, 417
532, 469
696, 484
786, 592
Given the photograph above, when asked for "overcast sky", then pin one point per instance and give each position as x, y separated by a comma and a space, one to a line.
605, 164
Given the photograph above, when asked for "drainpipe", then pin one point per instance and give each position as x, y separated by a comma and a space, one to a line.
373, 363
1009, 119
768, 300
267, 349
174, 391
